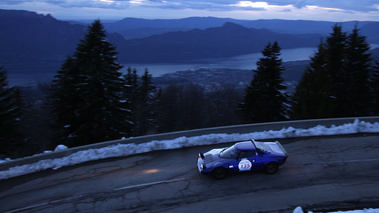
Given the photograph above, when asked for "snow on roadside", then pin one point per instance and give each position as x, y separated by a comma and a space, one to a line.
130, 149
300, 210
60, 147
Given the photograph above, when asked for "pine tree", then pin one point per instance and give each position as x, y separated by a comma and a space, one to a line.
374, 89
357, 68
143, 97
146, 105
9, 113
182, 107
89, 98
131, 88
66, 99
335, 64
312, 98
265, 99
131, 81
337, 82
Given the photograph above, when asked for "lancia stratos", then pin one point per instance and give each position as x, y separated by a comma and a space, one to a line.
243, 156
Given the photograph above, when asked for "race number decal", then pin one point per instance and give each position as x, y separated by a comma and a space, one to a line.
244, 165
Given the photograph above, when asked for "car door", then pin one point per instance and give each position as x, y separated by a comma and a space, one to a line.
244, 162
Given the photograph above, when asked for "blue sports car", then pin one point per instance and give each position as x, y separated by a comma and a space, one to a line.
242, 156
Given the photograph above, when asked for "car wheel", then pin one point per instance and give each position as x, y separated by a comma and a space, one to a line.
219, 173
271, 167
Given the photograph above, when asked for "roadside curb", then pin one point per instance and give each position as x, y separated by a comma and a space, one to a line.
247, 128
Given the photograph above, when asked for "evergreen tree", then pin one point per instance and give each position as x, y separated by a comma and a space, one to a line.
131, 81
265, 99
9, 113
358, 66
220, 106
337, 82
335, 65
312, 96
182, 107
374, 89
145, 106
66, 99
89, 98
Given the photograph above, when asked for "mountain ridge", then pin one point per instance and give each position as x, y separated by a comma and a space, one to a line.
29, 36
228, 40
138, 27
32, 43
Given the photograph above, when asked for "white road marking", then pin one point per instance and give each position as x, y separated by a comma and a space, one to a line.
352, 161
28, 207
149, 184
337, 161
75, 197
43, 204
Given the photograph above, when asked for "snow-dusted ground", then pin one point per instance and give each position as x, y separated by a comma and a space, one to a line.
130, 149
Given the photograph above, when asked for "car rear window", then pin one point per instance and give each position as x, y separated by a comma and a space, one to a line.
262, 146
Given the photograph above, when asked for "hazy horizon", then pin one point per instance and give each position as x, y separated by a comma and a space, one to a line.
319, 10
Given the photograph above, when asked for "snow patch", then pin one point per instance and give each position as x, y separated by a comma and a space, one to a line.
300, 210
181, 142
60, 147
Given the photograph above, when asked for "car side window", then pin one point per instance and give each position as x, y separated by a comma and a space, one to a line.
246, 154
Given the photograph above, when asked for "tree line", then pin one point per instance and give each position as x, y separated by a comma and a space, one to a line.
340, 81
90, 100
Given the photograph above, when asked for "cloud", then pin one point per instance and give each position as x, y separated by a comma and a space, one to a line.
348, 5
335, 5
248, 9
115, 4
344, 5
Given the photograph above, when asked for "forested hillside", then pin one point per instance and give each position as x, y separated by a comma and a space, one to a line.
34, 45
92, 100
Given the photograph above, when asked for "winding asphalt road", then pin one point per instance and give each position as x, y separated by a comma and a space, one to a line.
321, 174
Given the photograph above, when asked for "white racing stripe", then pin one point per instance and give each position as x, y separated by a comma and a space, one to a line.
149, 184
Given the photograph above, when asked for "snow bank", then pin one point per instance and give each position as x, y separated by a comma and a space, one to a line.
300, 210
60, 147
130, 149
5, 160
359, 211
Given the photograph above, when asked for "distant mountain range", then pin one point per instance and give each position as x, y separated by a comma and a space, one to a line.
228, 40
139, 28
28, 36
39, 44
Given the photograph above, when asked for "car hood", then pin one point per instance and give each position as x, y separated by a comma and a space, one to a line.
212, 155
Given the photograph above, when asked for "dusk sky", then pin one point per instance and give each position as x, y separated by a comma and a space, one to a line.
327, 10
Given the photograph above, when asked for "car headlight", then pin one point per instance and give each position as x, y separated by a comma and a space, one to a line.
203, 166
201, 155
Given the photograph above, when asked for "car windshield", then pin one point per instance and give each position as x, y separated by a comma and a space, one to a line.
262, 146
230, 152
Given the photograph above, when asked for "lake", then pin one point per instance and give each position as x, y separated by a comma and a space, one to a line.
243, 62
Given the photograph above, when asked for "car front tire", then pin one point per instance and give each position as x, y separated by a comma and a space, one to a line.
271, 168
219, 173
